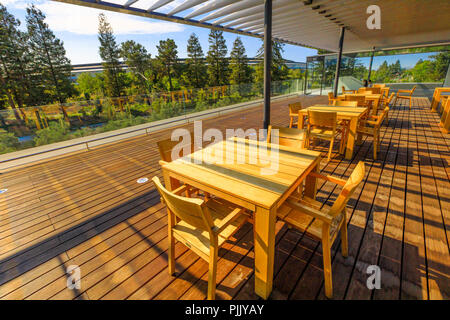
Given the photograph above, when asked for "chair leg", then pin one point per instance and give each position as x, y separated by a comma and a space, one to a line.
330, 149
344, 236
171, 260
410, 101
291, 122
375, 146
326, 251
212, 272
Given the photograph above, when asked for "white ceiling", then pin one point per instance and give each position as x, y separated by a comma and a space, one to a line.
317, 24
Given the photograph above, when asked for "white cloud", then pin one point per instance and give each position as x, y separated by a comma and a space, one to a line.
82, 20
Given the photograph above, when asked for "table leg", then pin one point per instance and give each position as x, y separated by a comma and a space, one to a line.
311, 184
264, 233
351, 138
301, 121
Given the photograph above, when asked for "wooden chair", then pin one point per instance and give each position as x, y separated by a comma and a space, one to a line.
371, 128
322, 222
362, 90
445, 117
387, 102
294, 108
165, 148
360, 99
344, 91
331, 98
345, 103
289, 137
323, 125
373, 90
408, 96
203, 226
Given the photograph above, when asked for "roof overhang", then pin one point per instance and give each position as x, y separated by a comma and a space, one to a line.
313, 23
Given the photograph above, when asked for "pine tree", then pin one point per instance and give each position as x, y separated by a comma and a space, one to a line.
217, 63
240, 71
139, 61
196, 68
15, 77
48, 58
167, 57
279, 70
110, 54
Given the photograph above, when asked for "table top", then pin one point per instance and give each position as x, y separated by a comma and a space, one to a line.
367, 95
341, 111
261, 179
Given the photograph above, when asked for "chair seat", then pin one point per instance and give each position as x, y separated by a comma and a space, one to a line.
199, 239
305, 222
322, 132
366, 130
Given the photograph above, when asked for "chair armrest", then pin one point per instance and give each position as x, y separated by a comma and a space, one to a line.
325, 217
180, 190
236, 213
373, 123
404, 91
336, 180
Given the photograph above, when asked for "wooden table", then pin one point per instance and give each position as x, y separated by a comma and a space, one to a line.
343, 113
374, 97
245, 185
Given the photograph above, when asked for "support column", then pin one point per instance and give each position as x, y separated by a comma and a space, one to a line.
267, 59
338, 63
370, 64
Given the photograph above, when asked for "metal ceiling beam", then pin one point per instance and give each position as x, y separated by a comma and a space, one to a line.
108, 6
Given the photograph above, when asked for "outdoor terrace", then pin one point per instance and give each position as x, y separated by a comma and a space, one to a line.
86, 209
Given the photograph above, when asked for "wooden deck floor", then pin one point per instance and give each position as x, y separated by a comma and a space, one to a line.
86, 209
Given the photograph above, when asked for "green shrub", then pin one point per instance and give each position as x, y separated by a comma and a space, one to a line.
57, 131
8, 143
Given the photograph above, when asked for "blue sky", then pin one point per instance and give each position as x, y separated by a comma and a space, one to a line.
77, 27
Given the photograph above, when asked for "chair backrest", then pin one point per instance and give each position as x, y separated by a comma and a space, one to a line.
289, 137
379, 85
385, 92
331, 97
191, 210
362, 90
345, 103
382, 117
374, 90
349, 188
412, 90
165, 147
388, 101
361, 100
322, 119
294, 108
